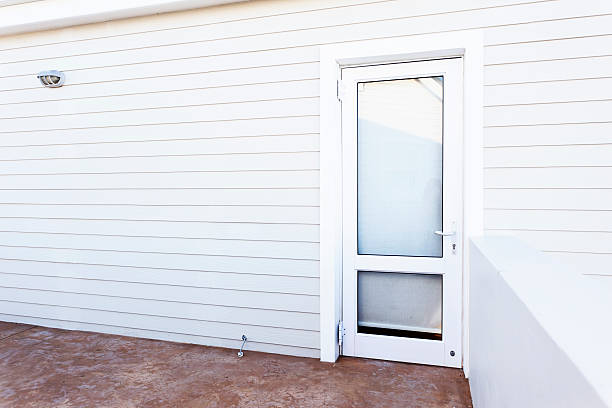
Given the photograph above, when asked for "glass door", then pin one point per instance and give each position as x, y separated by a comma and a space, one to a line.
401, 136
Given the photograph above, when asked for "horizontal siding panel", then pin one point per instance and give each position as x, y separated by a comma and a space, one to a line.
268, 266
170, 131
547, 198
151, 81
216, 180
165, 163
292, 38
177, 35
548, 50
261, 16
552, 177
161, 335
548, 220
173, 277
256, 25
169, 229
295, 250
554, 70
266, 50
158, 66
555, 26
542, 114
177, 310
272, 215
170, 293
566, 241
571, 134
548, 92
172, 196
263, 144
588, 264
201, 96
246, 110
299, 338
299, 34
543, 156
305, 40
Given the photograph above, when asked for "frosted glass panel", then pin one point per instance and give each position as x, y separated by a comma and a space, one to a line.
399, 167
399, 304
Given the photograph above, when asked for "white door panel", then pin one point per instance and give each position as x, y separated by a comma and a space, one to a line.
402, 212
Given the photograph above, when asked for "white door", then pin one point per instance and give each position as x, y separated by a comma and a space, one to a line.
402, 211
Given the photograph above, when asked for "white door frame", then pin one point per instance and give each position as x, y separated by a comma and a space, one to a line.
333, 58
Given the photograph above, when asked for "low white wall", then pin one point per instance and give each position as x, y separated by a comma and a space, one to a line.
539, 334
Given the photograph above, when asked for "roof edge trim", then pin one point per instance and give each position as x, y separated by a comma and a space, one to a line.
43, 15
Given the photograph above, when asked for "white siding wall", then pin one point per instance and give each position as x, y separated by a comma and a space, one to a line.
170, 189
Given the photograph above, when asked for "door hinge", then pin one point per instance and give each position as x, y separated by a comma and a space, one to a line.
341, 333
340, 90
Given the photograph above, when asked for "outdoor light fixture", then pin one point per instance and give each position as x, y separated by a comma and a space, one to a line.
51, 79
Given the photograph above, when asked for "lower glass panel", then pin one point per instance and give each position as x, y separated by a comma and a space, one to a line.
399, 304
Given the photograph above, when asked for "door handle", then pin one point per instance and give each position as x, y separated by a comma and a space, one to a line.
445, 234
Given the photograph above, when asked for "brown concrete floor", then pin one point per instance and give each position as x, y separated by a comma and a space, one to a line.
42, 367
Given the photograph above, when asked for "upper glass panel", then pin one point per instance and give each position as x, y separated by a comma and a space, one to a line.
399, 167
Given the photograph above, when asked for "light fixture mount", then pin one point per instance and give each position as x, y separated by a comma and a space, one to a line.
51, 79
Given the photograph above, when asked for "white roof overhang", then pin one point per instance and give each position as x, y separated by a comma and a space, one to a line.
21, 16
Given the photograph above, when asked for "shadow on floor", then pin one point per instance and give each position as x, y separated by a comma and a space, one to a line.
42, 367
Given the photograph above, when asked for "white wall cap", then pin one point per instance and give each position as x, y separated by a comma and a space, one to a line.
572, 307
